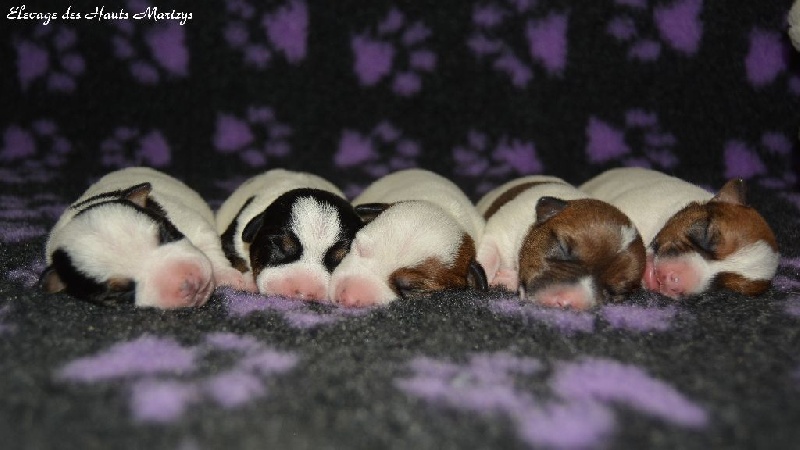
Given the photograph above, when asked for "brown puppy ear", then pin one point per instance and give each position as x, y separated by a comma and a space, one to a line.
732, 192
548, 207
50, 282
476, 276
369, 211
138, 194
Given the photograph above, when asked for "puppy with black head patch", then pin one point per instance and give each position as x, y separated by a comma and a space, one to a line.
419, 238
138, 236
557, 247
696, 240
287, 231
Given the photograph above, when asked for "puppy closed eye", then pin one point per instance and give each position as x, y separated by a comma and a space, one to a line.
336, 254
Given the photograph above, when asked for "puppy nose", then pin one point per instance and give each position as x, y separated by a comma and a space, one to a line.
671, 284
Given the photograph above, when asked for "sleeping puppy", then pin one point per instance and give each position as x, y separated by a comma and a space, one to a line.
420, 238
287, 231
696, 240
137, 236
557, 247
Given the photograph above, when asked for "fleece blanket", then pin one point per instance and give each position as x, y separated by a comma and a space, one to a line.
480, 91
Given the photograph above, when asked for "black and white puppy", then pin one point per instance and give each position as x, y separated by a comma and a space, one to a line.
287, 231
420, 238
137, 236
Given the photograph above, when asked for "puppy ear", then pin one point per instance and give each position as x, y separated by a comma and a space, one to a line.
369, 211
548, 207
50, 282
476, 276
732, 192
252, 227
138, 194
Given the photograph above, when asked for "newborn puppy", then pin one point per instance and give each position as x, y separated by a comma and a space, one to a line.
546, 239
287, 231
137, 236
420, 238
696, 240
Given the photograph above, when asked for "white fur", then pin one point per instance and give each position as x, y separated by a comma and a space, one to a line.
627, 235
794, 24
505, 231
113, 240
647, 197
265, 189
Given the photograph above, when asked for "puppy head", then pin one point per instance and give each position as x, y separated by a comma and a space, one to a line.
578, 252
407, 249
297, 241
719, 244
121, 248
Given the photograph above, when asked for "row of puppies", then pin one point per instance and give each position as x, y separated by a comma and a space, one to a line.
410, 233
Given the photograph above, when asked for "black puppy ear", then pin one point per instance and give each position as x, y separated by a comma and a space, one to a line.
252, 227
476, 276
548, 207
50, 282
369, 211
138, 194
732, 192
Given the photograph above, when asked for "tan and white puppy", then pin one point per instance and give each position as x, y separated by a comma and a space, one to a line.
287, 231
556, 246
137, 236
695, 240
420, 238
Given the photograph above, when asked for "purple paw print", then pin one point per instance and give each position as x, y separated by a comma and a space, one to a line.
748, 161
256, 138
632, 318
16, 217
28, 275
259, 37
33, 154
298, 314
488, 164
496, 24
131, 147
396, 51
677, 24
376, 154
50, 55
152, 51
165, 379
579, 411
653, 148
786, 282
767, 60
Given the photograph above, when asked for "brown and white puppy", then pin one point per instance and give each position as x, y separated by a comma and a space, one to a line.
546, 239
137, 236
420, 238
696, 240
287, 231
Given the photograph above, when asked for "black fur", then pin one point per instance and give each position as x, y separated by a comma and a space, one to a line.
228, 246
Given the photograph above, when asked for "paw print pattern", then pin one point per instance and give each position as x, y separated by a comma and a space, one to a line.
20, 219
577, 409
677, 25
165, 379
259, 37
653, 146
152, 51
33, 154
489, 164
297, 314
256, 138
381, 151
498, 24
396, 50
767, 61
774, 150
50, 55
28, 275
129, 146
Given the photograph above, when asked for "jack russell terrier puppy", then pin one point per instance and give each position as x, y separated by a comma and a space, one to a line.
419, 238
137, 236
557, 247
696, 240
287, 231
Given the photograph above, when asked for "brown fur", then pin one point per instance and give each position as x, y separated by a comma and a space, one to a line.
433, 275
509, 195
582, 240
